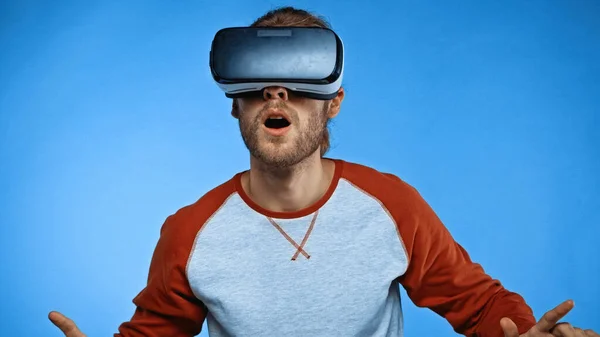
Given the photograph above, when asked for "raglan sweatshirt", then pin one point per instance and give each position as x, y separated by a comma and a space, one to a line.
332, 269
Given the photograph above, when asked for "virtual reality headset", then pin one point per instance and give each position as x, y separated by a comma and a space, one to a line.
308, 61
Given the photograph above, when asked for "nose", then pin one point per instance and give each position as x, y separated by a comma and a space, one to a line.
275, 92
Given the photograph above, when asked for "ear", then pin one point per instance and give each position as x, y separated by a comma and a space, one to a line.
336, 104
235, 109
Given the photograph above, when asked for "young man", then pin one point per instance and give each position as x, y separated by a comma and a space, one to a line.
303, 245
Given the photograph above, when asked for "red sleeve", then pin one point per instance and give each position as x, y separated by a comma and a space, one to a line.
442, 277
167, 306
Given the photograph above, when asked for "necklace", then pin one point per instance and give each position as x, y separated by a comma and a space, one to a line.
299, 248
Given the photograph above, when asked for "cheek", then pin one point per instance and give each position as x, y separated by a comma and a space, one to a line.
314, 114
246, 115
248, 106
248, 122
323, 111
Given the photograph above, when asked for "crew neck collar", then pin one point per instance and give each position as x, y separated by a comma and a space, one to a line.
295, 214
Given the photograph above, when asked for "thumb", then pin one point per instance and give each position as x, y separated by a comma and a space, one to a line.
509, 327
65, 324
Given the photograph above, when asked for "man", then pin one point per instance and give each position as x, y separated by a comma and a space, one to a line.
303, 245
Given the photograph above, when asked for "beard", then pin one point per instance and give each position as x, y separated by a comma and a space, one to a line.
272, 151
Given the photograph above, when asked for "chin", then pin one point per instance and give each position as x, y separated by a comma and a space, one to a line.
276, 156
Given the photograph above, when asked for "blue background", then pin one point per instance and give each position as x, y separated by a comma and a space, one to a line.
110, 122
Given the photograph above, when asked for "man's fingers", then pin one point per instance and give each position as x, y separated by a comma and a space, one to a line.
549, 320
65, 324
591, 333
567, 330
509, 327
579, 332
563, 330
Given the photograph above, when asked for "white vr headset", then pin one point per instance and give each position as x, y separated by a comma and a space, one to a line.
308, 61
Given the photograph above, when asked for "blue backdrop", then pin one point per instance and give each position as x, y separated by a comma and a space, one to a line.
110, 122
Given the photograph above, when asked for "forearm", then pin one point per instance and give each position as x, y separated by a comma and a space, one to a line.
441, 276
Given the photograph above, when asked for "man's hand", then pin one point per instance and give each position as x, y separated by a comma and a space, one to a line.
548, 325
65, 324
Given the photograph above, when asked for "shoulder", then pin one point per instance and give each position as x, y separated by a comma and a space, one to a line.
418, 225
402, 201
182, 227
388, 188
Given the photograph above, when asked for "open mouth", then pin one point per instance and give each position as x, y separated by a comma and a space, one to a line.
277, 122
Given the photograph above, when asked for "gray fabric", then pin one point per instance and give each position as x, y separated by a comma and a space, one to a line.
241, 268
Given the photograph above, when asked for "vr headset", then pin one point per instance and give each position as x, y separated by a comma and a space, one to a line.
308, 61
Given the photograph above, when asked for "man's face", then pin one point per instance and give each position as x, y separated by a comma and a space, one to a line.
281, 129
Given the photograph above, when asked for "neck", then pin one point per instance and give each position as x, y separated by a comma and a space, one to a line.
289, 189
